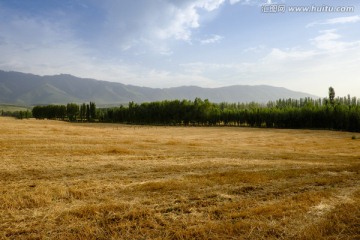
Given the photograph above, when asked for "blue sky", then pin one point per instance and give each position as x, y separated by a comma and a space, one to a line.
166, 43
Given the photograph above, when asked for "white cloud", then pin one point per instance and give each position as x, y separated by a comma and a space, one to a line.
213, 39
180, 24
329, 40
209, 5
255, 49
339, 20
182, 20
289, 54
160, 20
251, 2
352, 19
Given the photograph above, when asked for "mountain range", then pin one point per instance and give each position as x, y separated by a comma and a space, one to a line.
29, 89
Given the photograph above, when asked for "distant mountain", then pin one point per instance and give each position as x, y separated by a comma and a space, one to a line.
28, 89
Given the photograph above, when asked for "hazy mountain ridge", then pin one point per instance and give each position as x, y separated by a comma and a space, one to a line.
30, 89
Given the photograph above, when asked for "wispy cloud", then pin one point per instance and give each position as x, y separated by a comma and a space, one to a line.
154, 24
329, 40
290, 54
251, 2
339, 20
213, 39
255, 49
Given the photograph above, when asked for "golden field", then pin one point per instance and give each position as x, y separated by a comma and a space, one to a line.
62, 180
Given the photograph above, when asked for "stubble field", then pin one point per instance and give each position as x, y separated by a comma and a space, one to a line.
60, 180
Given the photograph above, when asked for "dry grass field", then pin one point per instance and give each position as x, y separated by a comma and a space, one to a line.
62, 180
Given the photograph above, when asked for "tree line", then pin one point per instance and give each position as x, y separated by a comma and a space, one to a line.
71, 112
16, 114
327, 113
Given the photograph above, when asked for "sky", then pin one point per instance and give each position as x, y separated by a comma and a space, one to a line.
207, 43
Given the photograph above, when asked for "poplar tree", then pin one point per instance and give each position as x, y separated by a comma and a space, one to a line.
87, 112
92, 111
72, 110
331, 95
83, 112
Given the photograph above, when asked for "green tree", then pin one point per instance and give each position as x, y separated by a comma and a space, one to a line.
83, 112
92, 109
331, 95
72, 110
87, 112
